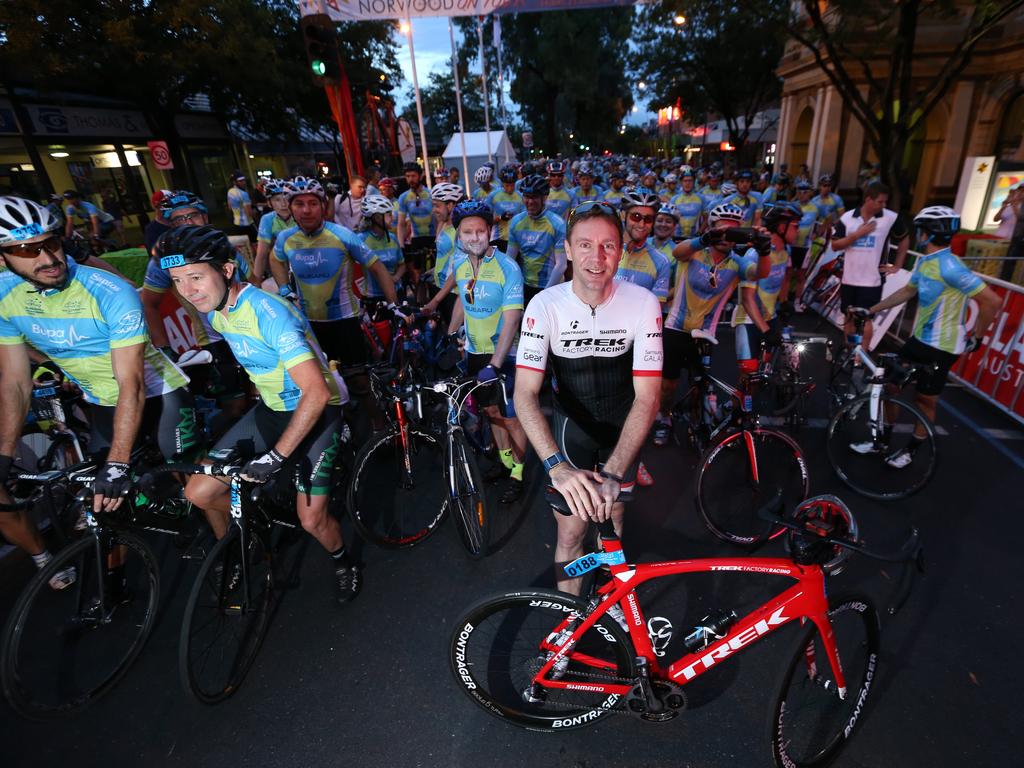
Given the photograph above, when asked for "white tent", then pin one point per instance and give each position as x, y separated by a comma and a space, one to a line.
476, 150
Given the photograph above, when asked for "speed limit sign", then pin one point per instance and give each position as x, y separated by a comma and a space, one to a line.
161, 155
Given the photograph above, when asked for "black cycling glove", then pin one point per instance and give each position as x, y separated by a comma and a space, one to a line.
773, 337
712, 237
762, 244
5, 467
114, 480
262, 468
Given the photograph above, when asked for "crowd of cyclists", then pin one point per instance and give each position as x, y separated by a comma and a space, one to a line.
592, 278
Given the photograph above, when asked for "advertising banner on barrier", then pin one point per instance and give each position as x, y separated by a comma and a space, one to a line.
995, 370
367, 10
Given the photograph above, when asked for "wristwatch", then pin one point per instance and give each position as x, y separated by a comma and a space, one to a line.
554, 460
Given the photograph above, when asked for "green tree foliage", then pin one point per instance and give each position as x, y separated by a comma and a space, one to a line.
438, 98
246, 55
721, 61
867, 49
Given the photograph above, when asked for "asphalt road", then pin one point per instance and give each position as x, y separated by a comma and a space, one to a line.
369, 684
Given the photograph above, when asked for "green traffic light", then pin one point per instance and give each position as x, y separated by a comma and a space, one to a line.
319, 67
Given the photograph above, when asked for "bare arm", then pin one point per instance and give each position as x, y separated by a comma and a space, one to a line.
509, 331
684, 250
402, 225
309, 378
259, 267
748, 296
15, 392
637, 425
279, 270
128, 365
901, 253
383, 278
903, 295
458, 315
449, 285
94, 225
842, 243
989, 303
154, 320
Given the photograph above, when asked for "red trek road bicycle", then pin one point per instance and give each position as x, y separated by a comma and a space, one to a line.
550, 661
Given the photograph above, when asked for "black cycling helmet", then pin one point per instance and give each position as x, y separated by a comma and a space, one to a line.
778, 213
469, 208
194, 245
534, 184
508, 174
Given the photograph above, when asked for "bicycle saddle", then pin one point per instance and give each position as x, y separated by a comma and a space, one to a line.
698, 333
194, 357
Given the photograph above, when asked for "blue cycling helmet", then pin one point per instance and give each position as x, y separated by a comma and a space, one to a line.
507, 174
469, 208
181, 198
273, 187
534, 185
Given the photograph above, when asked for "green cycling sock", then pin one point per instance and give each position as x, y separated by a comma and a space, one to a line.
506, 458
517, 470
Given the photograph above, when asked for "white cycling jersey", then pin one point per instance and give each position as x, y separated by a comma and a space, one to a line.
594, 352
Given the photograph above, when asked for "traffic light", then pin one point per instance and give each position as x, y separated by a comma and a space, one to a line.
321, 41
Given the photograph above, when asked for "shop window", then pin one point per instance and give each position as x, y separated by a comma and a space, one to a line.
1011, 132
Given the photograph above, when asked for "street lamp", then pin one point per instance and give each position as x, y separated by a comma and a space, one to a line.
403, 27
641, 85
679, 20
636, 108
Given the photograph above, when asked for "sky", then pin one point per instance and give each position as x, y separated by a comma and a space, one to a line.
433, 49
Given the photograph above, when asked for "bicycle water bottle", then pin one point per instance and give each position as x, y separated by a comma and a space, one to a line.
712, 627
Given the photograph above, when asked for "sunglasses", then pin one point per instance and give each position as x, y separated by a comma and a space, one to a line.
185, 218
467, 294
31, 250
636, 218
601, 205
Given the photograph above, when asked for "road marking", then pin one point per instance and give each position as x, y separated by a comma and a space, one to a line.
985, 433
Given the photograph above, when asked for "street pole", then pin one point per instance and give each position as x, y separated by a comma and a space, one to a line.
419, 102
458, 107
483, 69
501, 82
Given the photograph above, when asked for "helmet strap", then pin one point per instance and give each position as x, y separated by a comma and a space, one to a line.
227, 291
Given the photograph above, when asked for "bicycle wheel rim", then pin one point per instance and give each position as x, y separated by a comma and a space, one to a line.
810, 724
64, 648
389, 507
728, 496
224, 626
869, 474
469, 502
495, 651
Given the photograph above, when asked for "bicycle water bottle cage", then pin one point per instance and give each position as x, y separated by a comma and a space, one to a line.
822, 517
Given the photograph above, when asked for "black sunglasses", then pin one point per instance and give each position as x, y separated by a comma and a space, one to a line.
51, 244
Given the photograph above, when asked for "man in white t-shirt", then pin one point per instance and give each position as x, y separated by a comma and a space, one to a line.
348, 208
864, 234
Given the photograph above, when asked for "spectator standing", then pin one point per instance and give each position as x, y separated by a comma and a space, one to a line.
239, 201
347, 210
112, 205
1009, 213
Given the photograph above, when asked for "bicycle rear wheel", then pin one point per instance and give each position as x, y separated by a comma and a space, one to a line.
501, 643
468, 500
226, 617
394, 487
809, 722
858, 447
740, 474
62, 649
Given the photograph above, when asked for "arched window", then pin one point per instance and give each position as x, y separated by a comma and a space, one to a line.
1011, 132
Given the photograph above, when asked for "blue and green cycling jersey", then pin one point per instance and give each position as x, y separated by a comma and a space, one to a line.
483, 194
159, 280
666, 249
271, 225
79, 326
560, 201
268, 337
388, 253
321, 263
419, 211
667, 194
579, 196
809, 215
613, 196
768, 288
750, 203
690, 206
85, 210
540, 245
829, 205
503, 202
238, 198
648, 267
495, 287
445, 246
944, 284
702, 289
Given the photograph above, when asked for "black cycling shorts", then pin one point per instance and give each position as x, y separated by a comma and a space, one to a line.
798, 256
342, 340
929, 382
420, 252
865, 296
584, 452
169, 419
259, 429
681, 353
491, 394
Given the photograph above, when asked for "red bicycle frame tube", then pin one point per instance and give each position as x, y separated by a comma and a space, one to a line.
804, 600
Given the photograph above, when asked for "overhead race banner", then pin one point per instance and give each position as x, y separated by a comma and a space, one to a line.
368, 10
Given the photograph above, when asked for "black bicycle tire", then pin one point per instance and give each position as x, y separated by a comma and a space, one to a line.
478, 519
862, 401
712, 520
377, 441
16, 625
240, 664
779, 741
479, 689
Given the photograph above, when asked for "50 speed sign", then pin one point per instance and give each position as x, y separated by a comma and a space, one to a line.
161, 155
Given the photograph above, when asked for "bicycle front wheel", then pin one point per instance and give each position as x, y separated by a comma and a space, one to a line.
226, 617
396, 495
467, 499
812, 719
500, 644
864, 448
740, 474
64, 648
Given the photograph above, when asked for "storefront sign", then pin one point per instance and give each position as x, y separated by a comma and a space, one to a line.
111, 160
970, 195
199, 127
51, 120
1005, 180
365, 10
8, 122
161, 155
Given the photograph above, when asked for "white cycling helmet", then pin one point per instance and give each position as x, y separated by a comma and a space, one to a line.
686, 170
669, 210
940, 221
22, 219
728, 189
725, 212
584, 169
301, 185
631, 198
483, 174
373, 204
447, 193
671, 178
